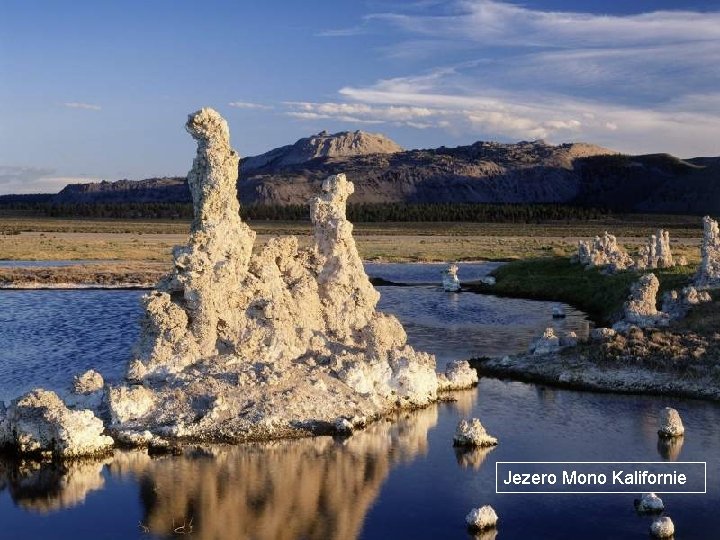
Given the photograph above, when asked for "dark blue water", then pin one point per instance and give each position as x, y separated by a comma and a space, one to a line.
399, 479
427, 272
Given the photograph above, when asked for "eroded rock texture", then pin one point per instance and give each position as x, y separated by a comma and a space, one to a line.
40, 423
285, 342
709, 272
604, 252
656, 253
640, 309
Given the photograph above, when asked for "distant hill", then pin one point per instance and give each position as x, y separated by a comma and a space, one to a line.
484, 172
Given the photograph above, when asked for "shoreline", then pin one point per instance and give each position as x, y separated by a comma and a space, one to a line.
576, 373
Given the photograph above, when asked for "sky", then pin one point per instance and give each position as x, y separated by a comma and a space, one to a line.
95, 89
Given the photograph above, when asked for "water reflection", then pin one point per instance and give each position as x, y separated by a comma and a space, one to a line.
46, 486
472, 458
309, 488
669, 449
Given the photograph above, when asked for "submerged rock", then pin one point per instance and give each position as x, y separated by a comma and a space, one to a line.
471, 433
481, 518
670, 423
649, 503
708, 274
662, 527
40, 423
450, 281
237, 346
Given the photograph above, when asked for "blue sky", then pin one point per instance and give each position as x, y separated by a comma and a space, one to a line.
101, 89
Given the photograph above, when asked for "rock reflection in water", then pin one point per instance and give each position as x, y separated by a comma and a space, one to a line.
307, 488
669, 449
47, 486
472, 458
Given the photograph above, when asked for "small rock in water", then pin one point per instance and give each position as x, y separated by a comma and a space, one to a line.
481, 518
471, 433
662, 527
458, 376
488, 280
343, 426
670, 423
649, 503
558, 312
450, 281
546, 344
87, 383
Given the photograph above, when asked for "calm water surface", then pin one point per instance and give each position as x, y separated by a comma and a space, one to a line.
399, 479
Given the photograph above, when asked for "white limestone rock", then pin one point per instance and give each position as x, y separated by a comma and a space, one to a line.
708, 274
87, 383
546, 344
40, 423
677, 304
649, 503
604, 252
656, 253
670, 424
458, 375
481, 518
471, 433
450, 281
237, 346
662, 527
602, 334
640, 308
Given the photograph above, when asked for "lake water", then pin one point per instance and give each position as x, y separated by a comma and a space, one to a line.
399, 479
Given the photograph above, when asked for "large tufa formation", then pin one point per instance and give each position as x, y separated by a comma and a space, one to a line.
285, 342
604, 252
656, 253
640, 309
708, 274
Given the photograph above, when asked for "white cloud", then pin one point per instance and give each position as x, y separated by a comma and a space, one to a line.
248, 105
638, 83
25, 179
79, 105
495, 23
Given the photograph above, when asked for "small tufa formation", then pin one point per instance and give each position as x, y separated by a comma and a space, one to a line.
450, 281
640, 308
602, 334
649, 503
550, 343
458, 374
676, 305
708, 274
284, 342
480, 519
88, 383
662, 527
604, 252
472, 434
40, 423
671, 425
656, 253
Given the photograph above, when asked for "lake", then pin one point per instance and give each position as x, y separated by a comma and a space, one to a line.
399, 479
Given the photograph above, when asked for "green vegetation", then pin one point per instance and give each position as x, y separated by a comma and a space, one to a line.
556, 278
376, 212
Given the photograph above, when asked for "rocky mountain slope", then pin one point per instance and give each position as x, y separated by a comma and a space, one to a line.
483, 172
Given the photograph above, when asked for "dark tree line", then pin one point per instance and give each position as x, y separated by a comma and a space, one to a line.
371, 212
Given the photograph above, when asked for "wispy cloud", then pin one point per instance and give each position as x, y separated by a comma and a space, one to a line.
344, 32
27, 179
249, 105
79, 105
640, 82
